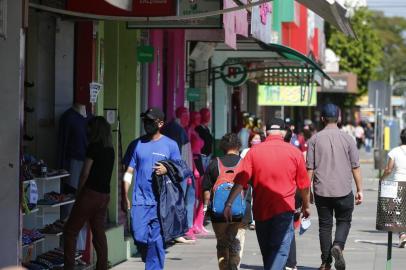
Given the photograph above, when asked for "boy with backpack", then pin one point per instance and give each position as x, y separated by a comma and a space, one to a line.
217, 183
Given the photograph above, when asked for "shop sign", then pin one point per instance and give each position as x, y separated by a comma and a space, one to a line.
279, 95
343, 82
140, 8
194, 94
261, 22
145, 54
234, 74
187, 7
95, 89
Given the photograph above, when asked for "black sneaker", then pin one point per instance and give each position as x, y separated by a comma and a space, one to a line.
337, 253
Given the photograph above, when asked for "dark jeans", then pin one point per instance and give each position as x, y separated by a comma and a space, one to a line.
274, 238
90, 206
342, 208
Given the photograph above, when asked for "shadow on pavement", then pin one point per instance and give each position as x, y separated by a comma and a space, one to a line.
373, 231
256, 267
377, 243
251, 267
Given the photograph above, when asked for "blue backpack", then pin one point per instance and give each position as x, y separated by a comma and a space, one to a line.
221, 191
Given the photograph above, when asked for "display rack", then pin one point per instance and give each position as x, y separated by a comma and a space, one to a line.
43, 215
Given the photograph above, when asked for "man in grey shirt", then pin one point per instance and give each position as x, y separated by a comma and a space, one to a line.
332, 164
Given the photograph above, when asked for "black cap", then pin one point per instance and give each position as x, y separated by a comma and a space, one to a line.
329, 110
153, 114
276, 124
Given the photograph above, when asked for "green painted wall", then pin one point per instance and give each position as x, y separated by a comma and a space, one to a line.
122, 93
283, 11
129, 85
111, 84
100, 66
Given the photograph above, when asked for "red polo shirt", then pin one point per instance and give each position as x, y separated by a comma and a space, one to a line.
276, 169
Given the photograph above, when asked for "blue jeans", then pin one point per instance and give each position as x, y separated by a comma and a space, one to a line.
190, 198
274, 238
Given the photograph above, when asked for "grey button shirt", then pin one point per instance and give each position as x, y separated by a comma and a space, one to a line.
332, 154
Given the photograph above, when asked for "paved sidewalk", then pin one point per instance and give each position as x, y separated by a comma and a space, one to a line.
366, 247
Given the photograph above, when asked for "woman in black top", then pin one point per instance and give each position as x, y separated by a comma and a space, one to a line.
93, 194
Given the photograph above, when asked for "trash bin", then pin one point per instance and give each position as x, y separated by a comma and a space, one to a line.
391, 210
380, 157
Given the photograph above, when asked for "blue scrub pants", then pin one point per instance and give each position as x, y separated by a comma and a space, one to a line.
147, 234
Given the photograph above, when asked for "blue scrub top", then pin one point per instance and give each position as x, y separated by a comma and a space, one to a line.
142, 155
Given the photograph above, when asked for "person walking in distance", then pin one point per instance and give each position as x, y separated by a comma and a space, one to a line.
145, 157
274, 189
332, 163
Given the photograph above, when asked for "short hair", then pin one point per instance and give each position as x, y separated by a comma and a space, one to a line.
331, 120
403, 136
100, 131
230, 141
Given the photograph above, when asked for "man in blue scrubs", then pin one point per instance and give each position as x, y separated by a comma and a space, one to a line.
142, 158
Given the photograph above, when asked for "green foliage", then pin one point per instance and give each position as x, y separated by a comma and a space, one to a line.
361, 56
391, 31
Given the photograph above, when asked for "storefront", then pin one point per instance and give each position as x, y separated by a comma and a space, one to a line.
60, 55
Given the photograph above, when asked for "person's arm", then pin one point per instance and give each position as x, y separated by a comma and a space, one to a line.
242, 176
310, 165
388, 169
128, 175
310, 174
356, 172
303, 184
209, 179
237, 189
305, 194
84, 174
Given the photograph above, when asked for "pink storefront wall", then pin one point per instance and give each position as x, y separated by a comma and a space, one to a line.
173, 72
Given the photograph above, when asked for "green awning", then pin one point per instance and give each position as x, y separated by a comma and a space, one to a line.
291, 54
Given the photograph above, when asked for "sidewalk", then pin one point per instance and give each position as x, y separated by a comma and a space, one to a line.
366, 247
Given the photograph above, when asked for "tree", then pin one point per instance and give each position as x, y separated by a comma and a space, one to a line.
391, 32
361, 56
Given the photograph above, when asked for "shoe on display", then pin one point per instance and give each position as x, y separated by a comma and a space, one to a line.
337, 253
402, 240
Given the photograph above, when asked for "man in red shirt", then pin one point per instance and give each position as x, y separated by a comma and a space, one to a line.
276, 169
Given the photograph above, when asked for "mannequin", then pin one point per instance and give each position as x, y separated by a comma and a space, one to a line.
72, 144
197, 145
204, 133
245, 131
80, 108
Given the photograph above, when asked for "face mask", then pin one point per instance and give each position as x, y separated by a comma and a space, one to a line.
151, 127
255, 142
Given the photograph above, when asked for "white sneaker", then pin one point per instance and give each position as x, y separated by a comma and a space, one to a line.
402, 241
290, 268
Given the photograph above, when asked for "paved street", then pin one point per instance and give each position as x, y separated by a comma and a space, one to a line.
366, 247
